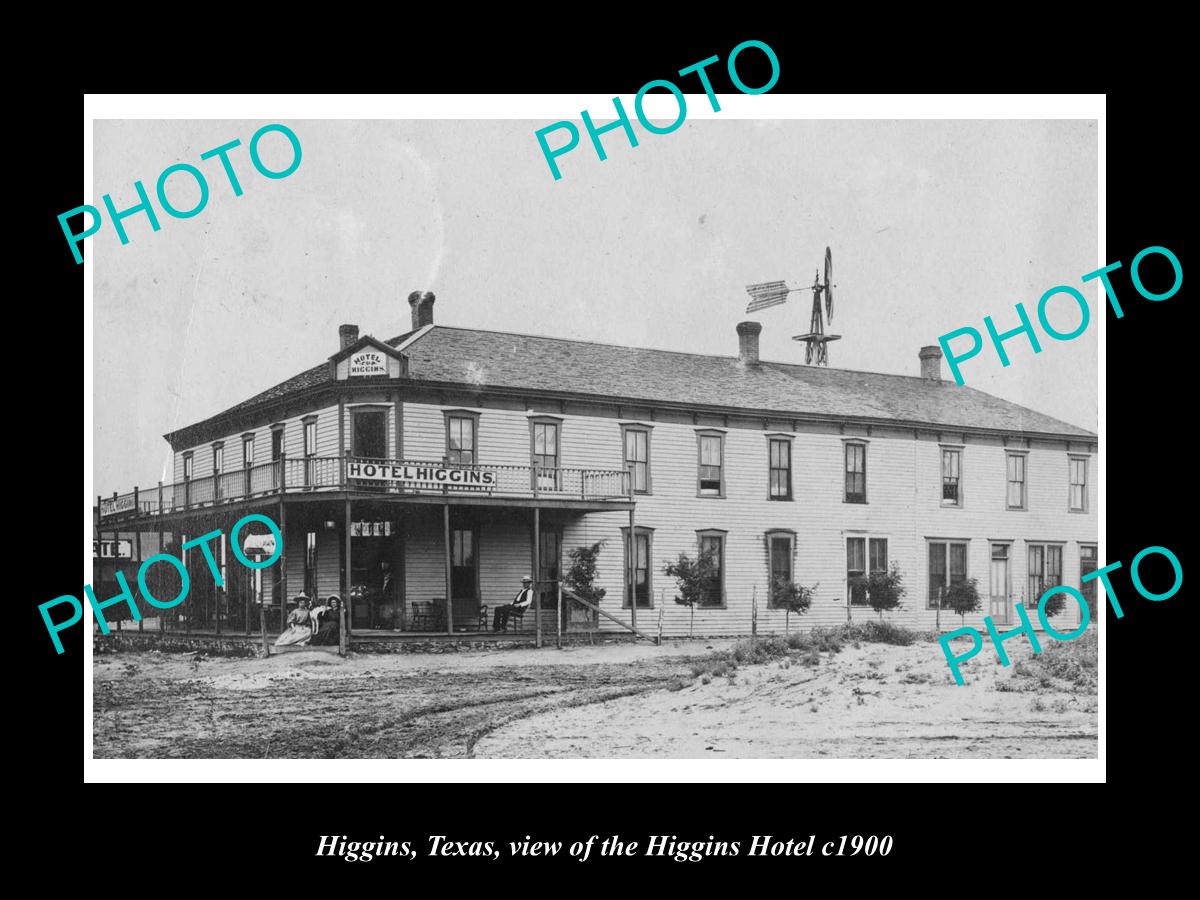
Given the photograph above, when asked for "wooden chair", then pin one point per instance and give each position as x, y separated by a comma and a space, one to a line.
427, 615
481, 624
515, 617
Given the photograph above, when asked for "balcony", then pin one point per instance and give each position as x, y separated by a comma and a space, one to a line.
380, 477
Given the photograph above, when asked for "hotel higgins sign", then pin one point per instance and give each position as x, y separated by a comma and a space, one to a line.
422, 476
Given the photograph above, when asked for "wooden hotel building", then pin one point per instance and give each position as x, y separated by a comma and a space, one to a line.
423, 475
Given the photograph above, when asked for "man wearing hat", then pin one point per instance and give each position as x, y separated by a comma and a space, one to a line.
520, 602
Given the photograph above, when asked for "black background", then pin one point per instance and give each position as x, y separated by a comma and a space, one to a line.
944, 835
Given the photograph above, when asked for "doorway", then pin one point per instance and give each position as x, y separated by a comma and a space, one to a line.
368, 433
999, 604
549, 555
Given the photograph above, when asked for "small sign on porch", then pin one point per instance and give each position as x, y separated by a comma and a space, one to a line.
121, 549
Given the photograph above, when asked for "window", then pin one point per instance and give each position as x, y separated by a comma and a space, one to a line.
1078, 466
636, 442
369, 433
856, 564
1016, 480
461, 442
711, 468
856, 472
1045, 571
712, 542
276, 442
641, 570
218, 457
779, 464
1087, 564
187, 466
310, 564
464, 583
544, 445
310, 435
947, 566
780, 551
247, 451
951, 477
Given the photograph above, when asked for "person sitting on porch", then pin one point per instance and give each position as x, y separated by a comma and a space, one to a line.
329, 623
299, 622
519, 604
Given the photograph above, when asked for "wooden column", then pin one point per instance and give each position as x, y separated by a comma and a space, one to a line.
347, 576
537, 571
162, 619
633, 571
283, 585
449, 590
137, 539
116, 558
216, 595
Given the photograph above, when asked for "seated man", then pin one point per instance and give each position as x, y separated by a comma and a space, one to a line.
520, 602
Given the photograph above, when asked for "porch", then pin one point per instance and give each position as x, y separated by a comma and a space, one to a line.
394, 551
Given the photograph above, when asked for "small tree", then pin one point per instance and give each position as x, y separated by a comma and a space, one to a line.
794, 598
884, 590
963, 598
694, 577
580, 575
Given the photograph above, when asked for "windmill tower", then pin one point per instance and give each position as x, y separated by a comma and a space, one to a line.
772, 293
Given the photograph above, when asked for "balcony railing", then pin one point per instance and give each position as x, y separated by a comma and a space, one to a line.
376, 476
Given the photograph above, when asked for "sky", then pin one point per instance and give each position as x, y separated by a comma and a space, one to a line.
933, 225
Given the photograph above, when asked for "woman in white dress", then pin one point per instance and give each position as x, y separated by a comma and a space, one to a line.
299, 629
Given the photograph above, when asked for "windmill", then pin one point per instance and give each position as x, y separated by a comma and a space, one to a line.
772, 293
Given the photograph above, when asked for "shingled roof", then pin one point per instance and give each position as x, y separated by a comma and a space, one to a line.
493, 359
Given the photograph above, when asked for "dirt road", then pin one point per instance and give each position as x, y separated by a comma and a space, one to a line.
606, 701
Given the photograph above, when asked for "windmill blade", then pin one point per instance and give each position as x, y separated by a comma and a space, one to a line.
770, 293
829, 285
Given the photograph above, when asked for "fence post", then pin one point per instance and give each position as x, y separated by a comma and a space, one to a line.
660, 615
754, 616
558, 587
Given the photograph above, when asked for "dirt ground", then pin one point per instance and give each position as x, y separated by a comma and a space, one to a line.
622, 700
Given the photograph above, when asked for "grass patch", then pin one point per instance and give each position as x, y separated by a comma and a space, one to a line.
1068, 666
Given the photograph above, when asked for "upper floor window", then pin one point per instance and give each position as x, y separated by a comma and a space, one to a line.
856, 472
1078, 466
187, 466
636, 440
1017, 487
310, 435
276, 441
247, 450
710, 446
779, 465
951, 476
712, 544
218, 457
461, 438
545, 437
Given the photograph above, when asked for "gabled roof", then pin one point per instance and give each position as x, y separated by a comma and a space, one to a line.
492, 359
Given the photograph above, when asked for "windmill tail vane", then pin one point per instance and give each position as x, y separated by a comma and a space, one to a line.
773, 293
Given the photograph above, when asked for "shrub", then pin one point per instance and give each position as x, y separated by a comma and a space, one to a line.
884, 590
792, 597
581, 573
887, 633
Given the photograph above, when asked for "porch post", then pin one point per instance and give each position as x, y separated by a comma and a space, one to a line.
346, 583
449, 592
537, 572
162, 619
633, 571
116, 558
137, 538
187, 619
216, 592
283, 585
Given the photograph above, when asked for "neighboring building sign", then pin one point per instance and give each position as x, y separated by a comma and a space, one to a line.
421, 475
368, 362
371, 529
260, 543
106, 550
120, 504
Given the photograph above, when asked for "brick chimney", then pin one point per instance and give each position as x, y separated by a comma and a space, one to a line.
748, 333
931, 363
422, 308
347, 335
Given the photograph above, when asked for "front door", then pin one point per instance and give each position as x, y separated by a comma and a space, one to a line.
549, 554
999, 604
